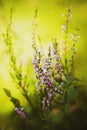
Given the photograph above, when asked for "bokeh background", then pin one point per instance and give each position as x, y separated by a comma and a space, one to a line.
50, 21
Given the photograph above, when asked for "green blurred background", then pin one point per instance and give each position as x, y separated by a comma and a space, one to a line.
50, 21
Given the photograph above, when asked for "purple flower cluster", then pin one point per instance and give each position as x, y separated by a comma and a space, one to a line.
49, 72
56, 59
21, 113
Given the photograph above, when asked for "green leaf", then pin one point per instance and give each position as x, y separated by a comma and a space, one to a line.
70, 94
15, 101
7, 92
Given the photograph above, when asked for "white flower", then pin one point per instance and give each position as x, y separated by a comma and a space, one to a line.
72, 36
63, 27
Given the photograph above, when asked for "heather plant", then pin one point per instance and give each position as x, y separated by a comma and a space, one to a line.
55, 73
16, 71
56, 84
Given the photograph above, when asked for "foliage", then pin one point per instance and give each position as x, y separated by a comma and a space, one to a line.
16, 71
56, 84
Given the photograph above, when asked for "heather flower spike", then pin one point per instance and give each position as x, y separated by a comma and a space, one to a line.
21, 113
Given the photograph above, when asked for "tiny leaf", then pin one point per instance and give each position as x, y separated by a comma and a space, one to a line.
7, 92
15, 101
70, 94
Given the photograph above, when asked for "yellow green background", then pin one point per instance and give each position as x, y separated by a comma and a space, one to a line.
50, 21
